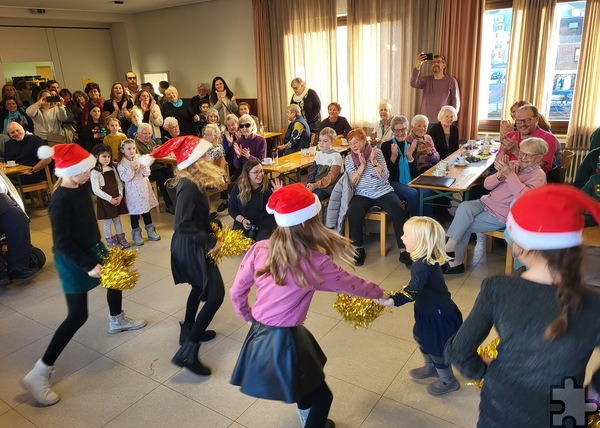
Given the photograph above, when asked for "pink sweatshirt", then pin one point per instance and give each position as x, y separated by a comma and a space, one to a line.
503, 193
287, 305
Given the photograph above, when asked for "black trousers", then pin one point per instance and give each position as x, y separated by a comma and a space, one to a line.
359, 205
214, 295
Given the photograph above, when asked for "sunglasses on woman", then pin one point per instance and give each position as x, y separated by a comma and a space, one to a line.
245, 125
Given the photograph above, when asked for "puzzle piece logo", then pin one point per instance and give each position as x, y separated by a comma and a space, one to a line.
575, 409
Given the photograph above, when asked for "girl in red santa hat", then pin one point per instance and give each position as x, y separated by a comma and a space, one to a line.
280, 359
547, 319
192, 241
78, 253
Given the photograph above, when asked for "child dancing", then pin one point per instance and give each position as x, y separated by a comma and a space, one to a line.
78, 254
437, 317
108, 187
280, 359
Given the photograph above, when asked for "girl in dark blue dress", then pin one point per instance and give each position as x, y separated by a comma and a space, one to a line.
437, 318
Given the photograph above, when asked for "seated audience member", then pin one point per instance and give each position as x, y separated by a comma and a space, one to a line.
327, 167
399, 157
587, 168
222, 98
9, 91
368, 175
159, 172
94, 130
212, 116
592, 188
202, 96
527, 119
444, 134
244, 108
12, 113
382, 130
512, 179
22, 148
249, 145
507, 126
180, 109
425, 153
338, 123
297, 135
230, 136
25, 93
48, 118
136, 119
248, 202
171, 125
212, 134
150, 112
94, 99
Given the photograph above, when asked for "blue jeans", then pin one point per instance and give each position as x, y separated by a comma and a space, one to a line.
411, 196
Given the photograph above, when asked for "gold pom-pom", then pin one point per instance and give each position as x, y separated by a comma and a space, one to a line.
117, 271
489, 352
594, 421
233, 243
358, 311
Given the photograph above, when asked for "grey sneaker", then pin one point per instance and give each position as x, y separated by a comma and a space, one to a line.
121, 323
423, 372
37, 382
152, 235
440, 388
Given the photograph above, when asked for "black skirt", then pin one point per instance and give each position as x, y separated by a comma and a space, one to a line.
188, 260
279, 363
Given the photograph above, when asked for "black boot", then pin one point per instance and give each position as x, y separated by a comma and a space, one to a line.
187, 357
186, 329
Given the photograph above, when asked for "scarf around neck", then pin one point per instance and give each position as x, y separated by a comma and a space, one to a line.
177, 103
299, 98
404, 169
366, 153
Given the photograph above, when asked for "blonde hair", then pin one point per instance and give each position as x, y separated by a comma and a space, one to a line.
243, 182
291, 245
202, 173
113, 119
429, 238
329, 133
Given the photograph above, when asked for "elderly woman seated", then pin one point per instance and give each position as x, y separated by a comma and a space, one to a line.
297, 135
426, 154
368, 175
512, 179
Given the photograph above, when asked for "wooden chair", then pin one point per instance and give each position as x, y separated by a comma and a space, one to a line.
489, 242
221, 163
381, 217
39, 187
567, 158
155, 190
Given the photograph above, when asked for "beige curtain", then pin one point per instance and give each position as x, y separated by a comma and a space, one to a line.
299, 41
384, 38
463, 55
585, 114
260, 51
532, 22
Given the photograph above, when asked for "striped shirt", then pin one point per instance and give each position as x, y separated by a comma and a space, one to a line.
370, 185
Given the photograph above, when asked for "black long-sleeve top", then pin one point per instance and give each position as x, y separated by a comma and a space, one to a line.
439, 140
192, 213
74, 225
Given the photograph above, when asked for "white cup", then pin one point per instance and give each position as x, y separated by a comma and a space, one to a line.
304, 152
267, 161
312, 151
461, 161
11, 163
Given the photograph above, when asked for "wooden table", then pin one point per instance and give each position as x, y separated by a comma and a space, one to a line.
591, 236
466, 177
291, 165
275, 138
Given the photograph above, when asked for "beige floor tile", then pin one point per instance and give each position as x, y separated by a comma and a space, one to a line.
23, 293
13, 419
92, 396
19, 331
467, 293
5, 310
268, 413
4, 407
387, 414
162, 295
351, 404
164, 407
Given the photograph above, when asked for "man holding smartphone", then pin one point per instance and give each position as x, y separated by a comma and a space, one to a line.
438, 90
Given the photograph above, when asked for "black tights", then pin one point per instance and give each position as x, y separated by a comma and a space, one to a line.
135, 219
215, 293
77, 305
319, 402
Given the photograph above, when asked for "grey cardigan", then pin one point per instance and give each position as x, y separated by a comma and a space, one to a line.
340, 198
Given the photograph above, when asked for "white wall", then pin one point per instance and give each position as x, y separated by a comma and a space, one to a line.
197, 42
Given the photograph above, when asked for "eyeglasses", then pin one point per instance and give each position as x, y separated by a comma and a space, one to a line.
525, 155
524, 121
245, 125
400, 130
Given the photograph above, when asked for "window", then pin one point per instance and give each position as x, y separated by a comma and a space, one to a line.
562, 66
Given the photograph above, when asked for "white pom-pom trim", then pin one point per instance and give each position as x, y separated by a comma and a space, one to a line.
147, 160
45, 152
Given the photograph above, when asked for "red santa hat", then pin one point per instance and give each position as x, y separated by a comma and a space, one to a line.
550, 217
293, 204
187, 150
69, 159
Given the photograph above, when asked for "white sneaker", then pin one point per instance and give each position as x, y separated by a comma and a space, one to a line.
37, 382
121, 323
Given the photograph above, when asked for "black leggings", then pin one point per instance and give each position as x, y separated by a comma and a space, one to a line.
215, 293
135, 219
77, 305
319, 402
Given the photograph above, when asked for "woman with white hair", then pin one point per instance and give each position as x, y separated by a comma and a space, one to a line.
297, 135
309, 103
179, 109
444, 134
171, 125
383, 129
249, 145
426, 154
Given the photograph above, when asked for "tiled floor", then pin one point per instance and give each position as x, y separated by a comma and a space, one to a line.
127, 379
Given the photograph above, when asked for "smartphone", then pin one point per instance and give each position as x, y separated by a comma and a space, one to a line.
429, 57
53, 99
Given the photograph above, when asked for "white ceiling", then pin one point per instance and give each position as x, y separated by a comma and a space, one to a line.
106, 6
